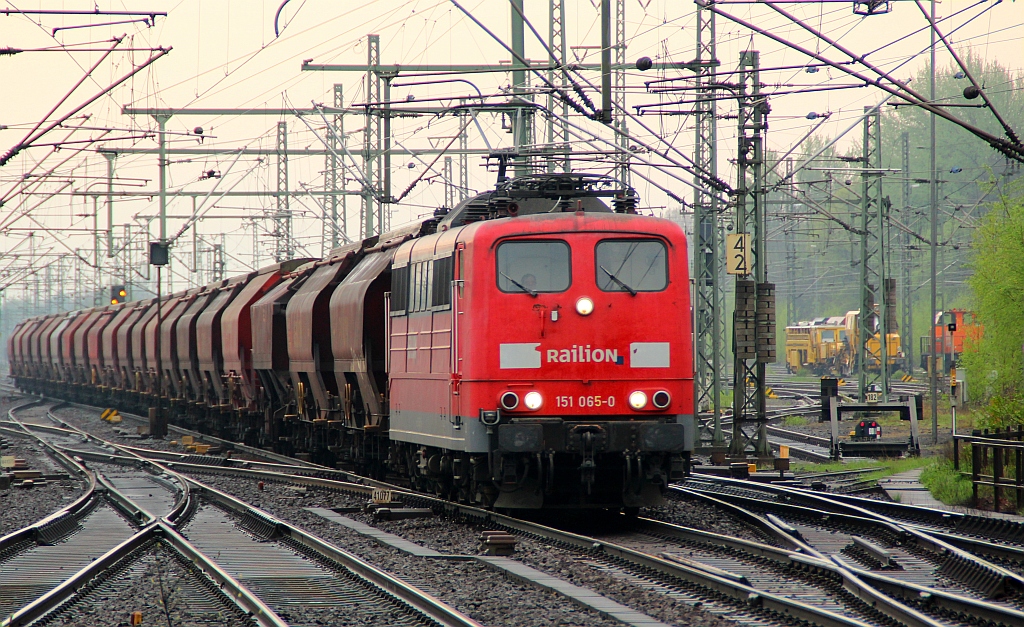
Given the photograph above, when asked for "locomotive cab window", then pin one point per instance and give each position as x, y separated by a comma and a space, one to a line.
631, 265
532, 267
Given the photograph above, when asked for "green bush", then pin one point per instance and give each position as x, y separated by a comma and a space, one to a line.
946, 484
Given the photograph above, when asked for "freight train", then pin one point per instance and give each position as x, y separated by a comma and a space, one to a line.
530, 348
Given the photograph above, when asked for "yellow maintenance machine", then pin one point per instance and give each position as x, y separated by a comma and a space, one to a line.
828, 346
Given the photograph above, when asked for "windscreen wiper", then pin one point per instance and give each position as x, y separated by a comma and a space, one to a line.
520, 285
611, 276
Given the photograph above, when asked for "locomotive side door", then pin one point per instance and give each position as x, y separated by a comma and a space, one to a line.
454, 409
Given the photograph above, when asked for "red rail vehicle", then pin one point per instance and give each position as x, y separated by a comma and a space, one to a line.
530, 348
953, 329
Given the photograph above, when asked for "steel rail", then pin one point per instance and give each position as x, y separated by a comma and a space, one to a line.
227, 444
418, 600
947, 525
66, 590
784, 605
153, 528
909, 591
865, 585
738, 591
242, 596
76, 510
1004, 578
407, 594
183, 501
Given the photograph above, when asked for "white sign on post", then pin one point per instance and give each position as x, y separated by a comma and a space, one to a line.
737, 253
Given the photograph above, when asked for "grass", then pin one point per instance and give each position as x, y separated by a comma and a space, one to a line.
946, 484
795, 421
885, 467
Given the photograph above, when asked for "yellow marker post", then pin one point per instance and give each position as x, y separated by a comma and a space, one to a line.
783, 451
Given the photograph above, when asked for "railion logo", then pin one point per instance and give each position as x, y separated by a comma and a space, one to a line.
583, 354
529, 354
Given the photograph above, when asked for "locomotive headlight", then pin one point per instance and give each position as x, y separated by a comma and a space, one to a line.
509, 400
533, 400
661, 399
638, 400
584, 306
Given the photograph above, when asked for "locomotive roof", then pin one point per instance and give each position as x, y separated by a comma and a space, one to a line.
538, 194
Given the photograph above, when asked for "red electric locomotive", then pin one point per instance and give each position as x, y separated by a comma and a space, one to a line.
530, 348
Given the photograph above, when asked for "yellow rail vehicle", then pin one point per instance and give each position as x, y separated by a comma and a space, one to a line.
820, 346
828, 346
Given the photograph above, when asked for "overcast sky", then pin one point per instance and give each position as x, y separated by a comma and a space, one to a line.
225, 55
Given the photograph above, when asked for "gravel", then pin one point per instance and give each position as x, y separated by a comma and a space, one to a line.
689, 512
159, 586
125, 432
20, 507
487, 599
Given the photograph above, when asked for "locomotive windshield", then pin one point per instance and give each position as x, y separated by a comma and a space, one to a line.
532, 266
631, 265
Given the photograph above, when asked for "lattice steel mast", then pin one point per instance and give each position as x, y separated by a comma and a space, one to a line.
754, 316
283, 249
873, 306
708, 318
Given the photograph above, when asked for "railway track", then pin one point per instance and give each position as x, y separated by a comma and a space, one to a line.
306, 578
682, 579
720, 572
989, 536
88, 552
715, 562
923, 569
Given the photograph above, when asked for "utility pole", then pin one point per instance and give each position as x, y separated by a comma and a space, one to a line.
449, 191
372, 140
110, 200
872, 261
619, 92
161, 120
606, 61
283, 216
558, 128
96, 296
520, 123
332, 178
464, 161
708, 327
907, 326
754, 316
933, 365
790, 251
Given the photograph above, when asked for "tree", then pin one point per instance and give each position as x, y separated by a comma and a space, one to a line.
998, 289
